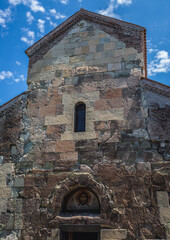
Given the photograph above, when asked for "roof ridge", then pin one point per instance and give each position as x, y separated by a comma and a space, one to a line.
153, 81
11, 100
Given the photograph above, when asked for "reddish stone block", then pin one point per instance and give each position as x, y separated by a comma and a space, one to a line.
65, 146
108, 104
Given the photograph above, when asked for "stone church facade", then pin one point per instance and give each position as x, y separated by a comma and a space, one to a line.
84, 153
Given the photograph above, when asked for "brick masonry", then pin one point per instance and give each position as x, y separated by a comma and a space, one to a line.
123, 155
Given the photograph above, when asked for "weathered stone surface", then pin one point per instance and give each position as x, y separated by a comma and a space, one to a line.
122, 156
113, 234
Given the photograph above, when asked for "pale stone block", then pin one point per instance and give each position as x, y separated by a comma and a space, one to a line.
109, 46
77, 51
3, 205
90, 96
115, 114
162, 198
56, 233
69, 156
5, 192
3, 178
94, 42
68, 72
57, 82
18, 224
76, 59
93, 69
92, 49
114, 66
60, 60
60, 119
124, 52
164, 215
109, 234
6, 168
46, 76
78, 135
81, 70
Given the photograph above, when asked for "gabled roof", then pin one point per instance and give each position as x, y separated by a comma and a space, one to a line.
81, 14
127, 32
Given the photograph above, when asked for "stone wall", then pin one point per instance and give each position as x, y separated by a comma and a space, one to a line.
121, 156
11, 152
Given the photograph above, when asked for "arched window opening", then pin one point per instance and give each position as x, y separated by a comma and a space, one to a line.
81, 200
80, 117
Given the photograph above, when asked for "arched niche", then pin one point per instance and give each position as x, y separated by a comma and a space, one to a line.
81, 200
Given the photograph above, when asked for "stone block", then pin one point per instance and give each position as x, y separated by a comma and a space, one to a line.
19, 182
108, 234
68, 72
164, 215
78, 135
162, 198
94, 69
3, 205
65, 146
1, 159
60, 119
56, 233
69, 156
114, 66
5, 192
18, 224
100, 48
85, 50
76, 59
92, 49
109, 45
81, 70
108, 104
114, 114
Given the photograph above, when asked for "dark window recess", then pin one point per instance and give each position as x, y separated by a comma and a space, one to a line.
80, 117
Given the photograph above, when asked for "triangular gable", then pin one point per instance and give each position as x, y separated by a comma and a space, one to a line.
129, 33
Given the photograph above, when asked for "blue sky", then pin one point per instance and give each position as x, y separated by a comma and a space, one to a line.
23, 22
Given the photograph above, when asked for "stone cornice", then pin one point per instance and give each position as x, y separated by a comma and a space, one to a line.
155, 87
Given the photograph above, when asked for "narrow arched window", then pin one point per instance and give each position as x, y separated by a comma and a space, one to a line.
80, 117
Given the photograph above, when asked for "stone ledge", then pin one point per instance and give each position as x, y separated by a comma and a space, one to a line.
107, 234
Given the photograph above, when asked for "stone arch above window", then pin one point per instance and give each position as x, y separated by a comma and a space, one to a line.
81, 200
80, 117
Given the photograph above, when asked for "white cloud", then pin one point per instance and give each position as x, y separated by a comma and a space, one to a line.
114, 4
52, 11
18, 63
57, 15
29, 36
30, 17
5, 74
20, 78
51, 22
34, 5
64, 1
125, 2
5, 16
160, 64
15, 2
109, 11
40, 25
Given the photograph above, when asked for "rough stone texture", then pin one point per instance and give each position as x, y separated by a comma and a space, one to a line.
123, 155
